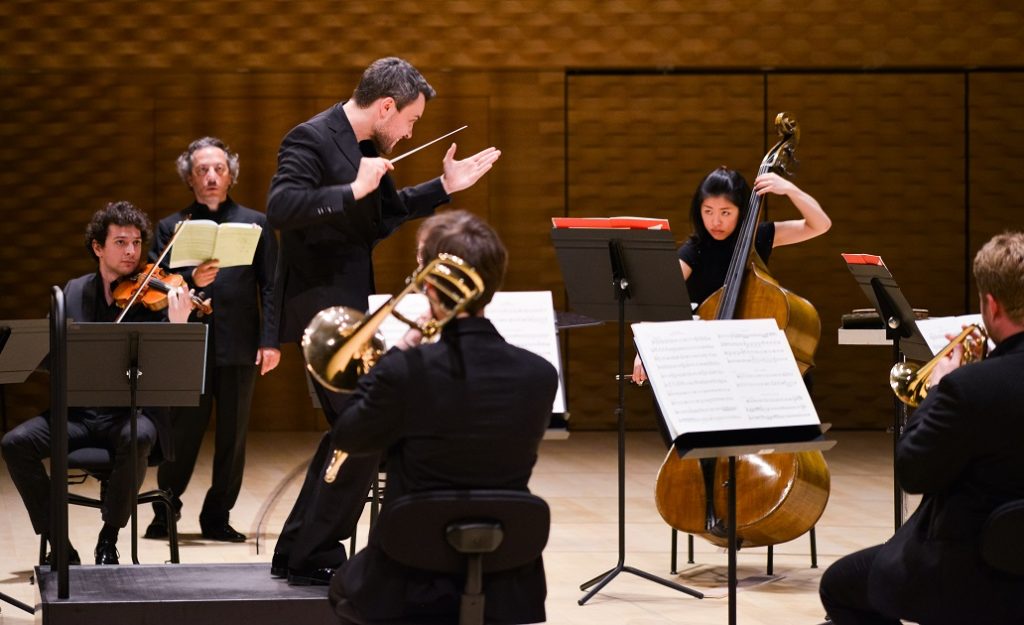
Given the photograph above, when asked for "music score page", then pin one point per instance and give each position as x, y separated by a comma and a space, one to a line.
525, 319
723, 375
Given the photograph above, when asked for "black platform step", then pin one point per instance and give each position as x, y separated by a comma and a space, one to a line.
198, 594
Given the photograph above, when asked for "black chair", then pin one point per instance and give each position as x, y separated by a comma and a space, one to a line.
1002, 544
471, 532
97, 462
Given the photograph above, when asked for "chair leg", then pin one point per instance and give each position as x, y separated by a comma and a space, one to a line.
172, 528
689, 548
771, 560
42, 550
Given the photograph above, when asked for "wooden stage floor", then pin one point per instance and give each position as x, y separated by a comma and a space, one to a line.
577, 476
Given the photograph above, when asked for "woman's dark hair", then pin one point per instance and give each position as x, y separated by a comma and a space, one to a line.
120, 214
722, 182
470, 238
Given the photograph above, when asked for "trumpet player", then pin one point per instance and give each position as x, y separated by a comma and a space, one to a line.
962, 450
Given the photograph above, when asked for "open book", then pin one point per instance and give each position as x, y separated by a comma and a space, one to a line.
723, 375
525, 318
636, 223
200, 240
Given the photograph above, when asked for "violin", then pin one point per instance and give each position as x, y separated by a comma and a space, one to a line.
153, 293
781, 495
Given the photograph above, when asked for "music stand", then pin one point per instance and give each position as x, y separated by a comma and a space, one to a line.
733, 443
118, 364
897, 316
23, 345
620, 275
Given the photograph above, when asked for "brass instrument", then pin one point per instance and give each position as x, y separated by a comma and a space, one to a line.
341, 344
909, 380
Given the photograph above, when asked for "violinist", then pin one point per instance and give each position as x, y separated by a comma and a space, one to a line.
719, 204
115, 238
961, 451
242, 342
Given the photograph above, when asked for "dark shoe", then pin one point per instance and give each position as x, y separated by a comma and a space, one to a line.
279, 565
311, 577
106, 551
73, 557
222, 532
157, 528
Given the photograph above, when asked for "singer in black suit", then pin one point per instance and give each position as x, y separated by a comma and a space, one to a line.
466, 412
333, 200
242, 341
962, 450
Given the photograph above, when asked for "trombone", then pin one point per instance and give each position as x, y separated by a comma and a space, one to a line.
341, 344
909, 380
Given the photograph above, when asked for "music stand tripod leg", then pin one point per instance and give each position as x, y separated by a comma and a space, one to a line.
622, 290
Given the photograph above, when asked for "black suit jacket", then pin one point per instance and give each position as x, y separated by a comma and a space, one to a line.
327, 237
466, 412
238, 294
83, 301
963, 448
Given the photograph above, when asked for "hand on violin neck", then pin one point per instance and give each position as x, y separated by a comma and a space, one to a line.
179, 305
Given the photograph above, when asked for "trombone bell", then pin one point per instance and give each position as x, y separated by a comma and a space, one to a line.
335, 356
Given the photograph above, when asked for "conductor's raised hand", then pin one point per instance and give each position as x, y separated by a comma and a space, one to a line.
371, 170
459, 175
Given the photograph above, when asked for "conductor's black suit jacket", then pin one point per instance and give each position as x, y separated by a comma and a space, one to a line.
466, 412
327, 237
963, 448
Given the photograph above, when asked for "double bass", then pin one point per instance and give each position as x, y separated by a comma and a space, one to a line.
779, 496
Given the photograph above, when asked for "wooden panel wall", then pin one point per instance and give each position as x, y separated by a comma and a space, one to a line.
98, 98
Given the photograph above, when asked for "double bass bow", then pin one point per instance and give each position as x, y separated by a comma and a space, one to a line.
780, 496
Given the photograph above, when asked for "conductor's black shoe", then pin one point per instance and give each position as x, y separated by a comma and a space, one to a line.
311, 577
157, 528
106, 551
73, 557
279, 565
222, 532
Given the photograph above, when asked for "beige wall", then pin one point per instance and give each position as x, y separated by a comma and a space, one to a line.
600, 108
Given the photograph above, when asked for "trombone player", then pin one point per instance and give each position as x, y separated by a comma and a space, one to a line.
962, 450
468, 411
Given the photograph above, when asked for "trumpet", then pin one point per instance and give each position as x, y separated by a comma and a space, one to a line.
909, 380
340, 344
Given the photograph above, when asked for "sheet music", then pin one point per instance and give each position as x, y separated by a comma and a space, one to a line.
525, 318
723, 375
935, 329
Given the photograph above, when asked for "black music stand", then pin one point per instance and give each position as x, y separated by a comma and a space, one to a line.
897, 316
620, 275
23, 346
732, 443
116, 364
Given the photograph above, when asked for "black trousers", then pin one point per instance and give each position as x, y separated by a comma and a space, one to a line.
25, 447
844, 591
230, 388
326, 514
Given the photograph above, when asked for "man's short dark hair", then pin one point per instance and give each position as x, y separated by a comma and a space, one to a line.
391, 77
470, 238
119, 214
